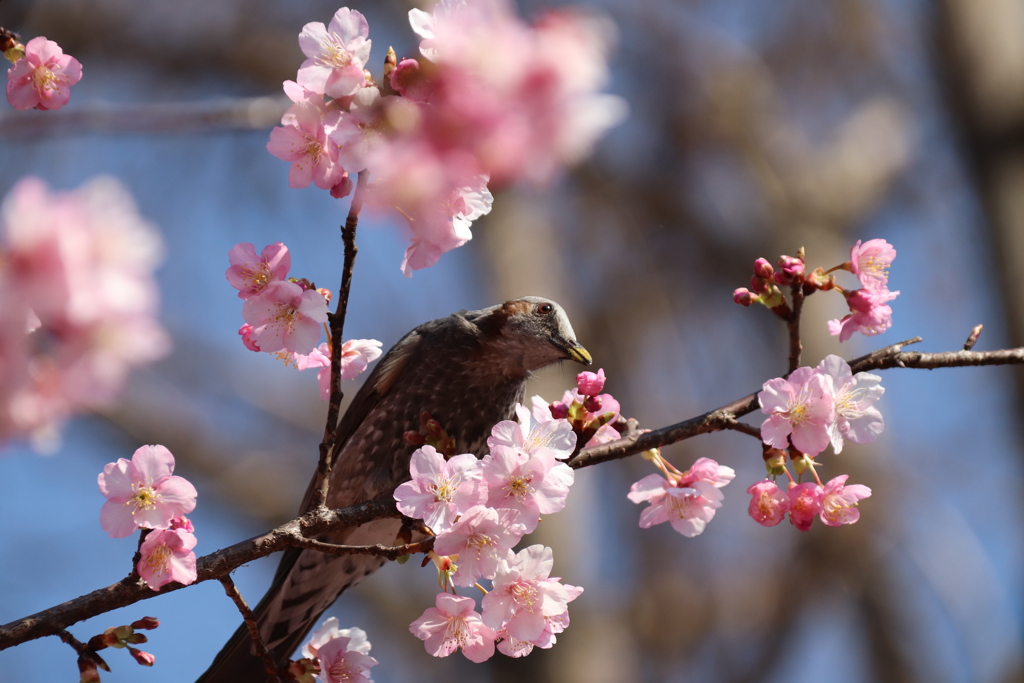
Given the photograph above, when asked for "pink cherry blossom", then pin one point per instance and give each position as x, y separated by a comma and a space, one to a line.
529, 434
523, 596
454, 624
870, 262
768, 504
839, 502
245, 332
357, 640
481, 538
590, 383
805, 502
534, 483
337, 54
42, 79
356, 354
800, 410
304, 141
285, 316
345, 659
411, 81
440, 490
361, 131
317, 358
870, 314
167, 556
143, 492
250, 273
688, 508
513, 647
853, 396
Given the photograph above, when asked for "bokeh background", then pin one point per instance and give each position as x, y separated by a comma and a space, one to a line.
755, 128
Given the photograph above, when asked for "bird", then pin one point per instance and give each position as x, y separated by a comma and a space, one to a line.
468, 370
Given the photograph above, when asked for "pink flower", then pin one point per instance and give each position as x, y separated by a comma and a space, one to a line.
305, 142
688, 508
530, 434
360, 131
411, 81
768, 504
805, 501
870, 313
440, 490
513, 647
345, 660
800, 410
143, 492
43, 77
357, 640
534, 483
285, 316
454, 624
523, 596
839, 502
481, 538
870, 262
356, 354
167, 556
853, 396
590, 383
250, 274
317, 358
245, 332
337, 54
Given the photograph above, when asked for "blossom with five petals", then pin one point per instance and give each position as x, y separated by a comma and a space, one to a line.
853, 396
440, 490
869, 314
534, 483
305, 142
870, 262
805, 502
143, 492
768, 503
357, 639
529, 433
346, 659
839, 502
166, 556
481, 538
336, 54
286, 316
454, 624
42, 79
250, 273
800, 410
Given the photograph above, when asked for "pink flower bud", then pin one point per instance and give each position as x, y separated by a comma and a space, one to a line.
414, 438
181, 522
246, 333
143, 658
763, 269
409, 80
343, 187
559, 410
147, 623
792, 269
590, 383
743, 296
592, 404
759, 285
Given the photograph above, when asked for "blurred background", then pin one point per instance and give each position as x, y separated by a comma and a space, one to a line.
755, 128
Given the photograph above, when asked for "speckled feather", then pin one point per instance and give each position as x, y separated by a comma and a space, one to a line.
468, 370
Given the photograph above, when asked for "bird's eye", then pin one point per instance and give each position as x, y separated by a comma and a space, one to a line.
545, 308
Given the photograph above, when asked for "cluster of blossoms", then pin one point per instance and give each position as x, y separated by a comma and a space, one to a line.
41, 76
78, 305
284, 315
870, 312
118, 637
478, 511
687, 500
807, 411
493, 100
144, 493
589, 412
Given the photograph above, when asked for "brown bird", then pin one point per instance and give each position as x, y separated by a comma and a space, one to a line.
468, 371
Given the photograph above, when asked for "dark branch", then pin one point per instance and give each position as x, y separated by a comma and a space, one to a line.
269, 664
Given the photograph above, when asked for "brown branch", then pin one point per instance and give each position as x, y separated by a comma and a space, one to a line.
793, 325
297, 532
269, 663
387, 552
337, 327
738, 426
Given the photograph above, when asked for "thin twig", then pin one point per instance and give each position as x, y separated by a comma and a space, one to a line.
793, 324
269, 663
387, 552
737, 426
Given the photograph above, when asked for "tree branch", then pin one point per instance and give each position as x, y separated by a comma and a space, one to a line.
269, 663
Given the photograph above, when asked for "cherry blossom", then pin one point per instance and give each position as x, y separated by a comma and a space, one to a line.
143, 492
286, 316
590, 383
534, 483
870, 262
800, 410
688, 508
870, 314
356, 354
440, 490
839, 502
357, 639
42, 79
245, 332
250, 273
523, 595
454, 624
529, 434
853, 396
361, 130
513, 647
336, 54
768, 504
304, 141
805, 502
481, 538
166, 556
346, 659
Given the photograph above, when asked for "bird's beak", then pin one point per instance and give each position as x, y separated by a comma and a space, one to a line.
578, 353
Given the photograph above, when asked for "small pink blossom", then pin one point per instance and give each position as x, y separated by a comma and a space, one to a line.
870, 314
357, 640
590, 383
768, 504
336, 54
529, 434
305, 143
688, 508
143, 492
481, 538
513, 647
805, 502
454, 624
854, 397
345, 659
800, 409
411, 82
167, 556
285, 316
250, 273
42, 79
245, 332
534, 483
356, 354
440, 490
870, 262
523, 596
839, 502
361, 131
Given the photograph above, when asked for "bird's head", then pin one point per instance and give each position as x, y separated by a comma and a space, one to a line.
532, 332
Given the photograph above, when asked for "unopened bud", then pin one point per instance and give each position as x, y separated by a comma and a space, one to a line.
802, 462
559, 410
593, 404
143, 658
590, 383
744, 297
763, 269
775, 461
791, 270
343, 187
146, 623
414, 438
434, 429
759, 285
325, 293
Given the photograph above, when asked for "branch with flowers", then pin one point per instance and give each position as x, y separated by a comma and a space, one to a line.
419, 145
